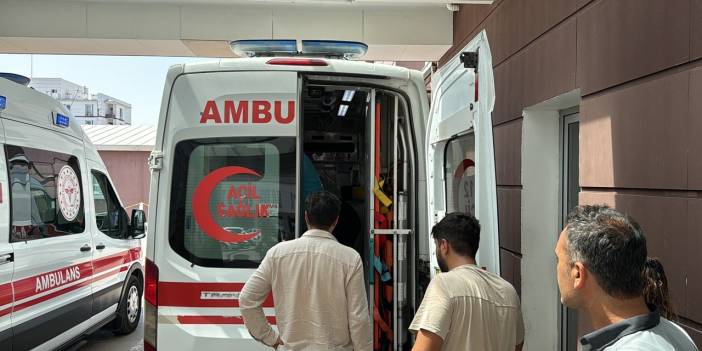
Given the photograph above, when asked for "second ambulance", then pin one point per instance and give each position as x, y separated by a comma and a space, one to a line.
240, 143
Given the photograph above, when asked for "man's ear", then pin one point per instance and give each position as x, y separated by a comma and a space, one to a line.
579, 274
307, 220
443, 246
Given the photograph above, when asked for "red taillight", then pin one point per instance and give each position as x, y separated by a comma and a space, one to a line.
297, 62
151, 290
148, 347
151, 306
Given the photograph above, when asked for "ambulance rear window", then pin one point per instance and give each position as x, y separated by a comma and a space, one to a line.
232, 199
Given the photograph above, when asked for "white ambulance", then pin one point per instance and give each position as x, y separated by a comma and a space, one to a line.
69, 258
240, 143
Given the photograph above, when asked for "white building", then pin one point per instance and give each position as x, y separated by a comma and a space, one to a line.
87, 108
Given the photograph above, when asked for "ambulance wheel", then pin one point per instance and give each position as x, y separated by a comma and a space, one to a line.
129, 310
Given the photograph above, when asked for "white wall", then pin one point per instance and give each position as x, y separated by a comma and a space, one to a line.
541, 212
64, 89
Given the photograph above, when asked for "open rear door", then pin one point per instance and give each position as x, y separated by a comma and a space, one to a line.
460, 151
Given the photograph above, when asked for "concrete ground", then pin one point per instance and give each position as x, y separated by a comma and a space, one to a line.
103, 340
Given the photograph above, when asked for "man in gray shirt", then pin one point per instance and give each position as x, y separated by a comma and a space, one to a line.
601, 255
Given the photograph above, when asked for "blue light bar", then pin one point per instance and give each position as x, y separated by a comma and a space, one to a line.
251, 48
61, 120
334, 48
3, 102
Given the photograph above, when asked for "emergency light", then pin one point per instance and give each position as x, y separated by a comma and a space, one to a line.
252, 48
315, 48
334, 48
3, 102
61, 120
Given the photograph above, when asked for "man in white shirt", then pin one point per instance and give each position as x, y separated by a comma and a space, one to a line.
317, 285
465, 307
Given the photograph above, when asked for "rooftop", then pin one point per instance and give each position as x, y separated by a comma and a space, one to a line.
121, 138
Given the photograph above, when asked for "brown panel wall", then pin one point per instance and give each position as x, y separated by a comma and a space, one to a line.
543, 70
511, 269
694, 174
502, 30
694, 248
130, 175
635, 137
512, 25
509, 206
664, 220
467, 19
620, 40
509, 78
549, 68
696, 21
582, 3
508, 153
640, 127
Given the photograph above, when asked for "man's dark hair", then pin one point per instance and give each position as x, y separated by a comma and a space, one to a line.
611, 245
462, 231
322, 209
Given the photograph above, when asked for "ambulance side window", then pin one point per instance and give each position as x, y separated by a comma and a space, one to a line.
46, 194
459, 168
108, 211
232, 199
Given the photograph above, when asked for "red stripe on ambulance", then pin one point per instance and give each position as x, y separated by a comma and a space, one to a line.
223, 320
31, 286
177, 294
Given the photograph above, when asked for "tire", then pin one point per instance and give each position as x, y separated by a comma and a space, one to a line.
129, 310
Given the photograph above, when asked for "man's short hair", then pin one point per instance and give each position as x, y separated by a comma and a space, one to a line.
462, 231
322, 208
611, 245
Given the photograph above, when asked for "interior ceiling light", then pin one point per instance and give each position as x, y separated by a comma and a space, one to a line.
348, 95
343, 109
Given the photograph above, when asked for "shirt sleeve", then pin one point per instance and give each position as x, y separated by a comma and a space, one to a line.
357, 306
434, 313
252, 296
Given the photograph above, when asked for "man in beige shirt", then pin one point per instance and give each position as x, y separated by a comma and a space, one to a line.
465, 307
318, 289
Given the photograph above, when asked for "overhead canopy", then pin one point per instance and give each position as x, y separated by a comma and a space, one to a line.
411, 30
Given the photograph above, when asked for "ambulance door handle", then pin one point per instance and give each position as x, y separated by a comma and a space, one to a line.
100, 246
85, 248
7, 258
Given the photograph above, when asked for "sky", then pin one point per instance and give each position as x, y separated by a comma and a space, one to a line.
137, 80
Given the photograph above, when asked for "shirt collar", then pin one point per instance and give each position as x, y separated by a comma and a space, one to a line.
318, 233
604, 337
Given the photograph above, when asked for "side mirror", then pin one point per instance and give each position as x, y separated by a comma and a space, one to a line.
138, 225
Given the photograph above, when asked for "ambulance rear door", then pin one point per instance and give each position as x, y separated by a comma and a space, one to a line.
460, 152
227, 189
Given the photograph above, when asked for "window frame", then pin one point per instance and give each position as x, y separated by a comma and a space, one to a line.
178, 197
67, 159
122, 225
456, 138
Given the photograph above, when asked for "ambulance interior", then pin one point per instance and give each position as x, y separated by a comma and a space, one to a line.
357, 139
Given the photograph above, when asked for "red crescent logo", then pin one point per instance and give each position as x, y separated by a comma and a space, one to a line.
458, 174
201, 205
467, 163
